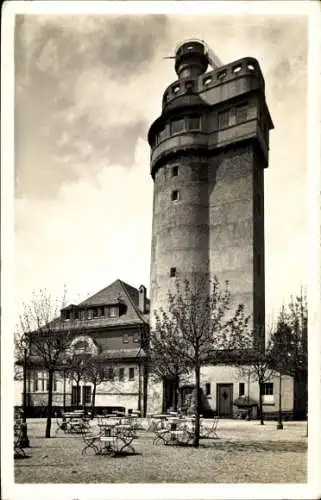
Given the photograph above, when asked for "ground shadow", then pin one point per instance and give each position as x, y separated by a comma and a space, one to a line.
257, 446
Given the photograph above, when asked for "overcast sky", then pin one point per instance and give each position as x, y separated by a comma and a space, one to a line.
87, 90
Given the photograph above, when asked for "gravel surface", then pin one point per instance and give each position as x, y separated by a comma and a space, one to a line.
245, 452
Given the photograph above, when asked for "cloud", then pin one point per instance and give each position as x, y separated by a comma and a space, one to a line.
79, 94
91, 234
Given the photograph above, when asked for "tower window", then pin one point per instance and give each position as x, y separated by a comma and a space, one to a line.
175, 195
177, 126
172, 272
175, 171
193, 122
221, 75
241, 114
223, 119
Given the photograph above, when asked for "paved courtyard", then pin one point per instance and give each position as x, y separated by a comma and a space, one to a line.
245, 452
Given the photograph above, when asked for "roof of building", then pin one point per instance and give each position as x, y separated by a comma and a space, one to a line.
117, 292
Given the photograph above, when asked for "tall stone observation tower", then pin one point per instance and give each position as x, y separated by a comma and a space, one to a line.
209, 149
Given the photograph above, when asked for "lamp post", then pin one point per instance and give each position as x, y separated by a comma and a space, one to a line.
24, 430
280, 424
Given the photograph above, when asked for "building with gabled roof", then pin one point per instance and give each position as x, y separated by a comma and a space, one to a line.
111, 326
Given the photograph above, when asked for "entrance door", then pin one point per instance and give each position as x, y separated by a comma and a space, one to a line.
225, 400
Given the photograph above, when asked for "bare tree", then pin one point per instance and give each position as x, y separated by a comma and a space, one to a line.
165, 362
254, 364
200, 326
289, 352
74, 368
46, 336
96, 373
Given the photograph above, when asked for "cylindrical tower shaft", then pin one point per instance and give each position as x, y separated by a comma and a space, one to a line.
209, 148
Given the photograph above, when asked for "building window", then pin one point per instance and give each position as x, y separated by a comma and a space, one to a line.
75, 395
67, 315
113, 312
241, 389
125, 338
224, 119
237, 69
207, 389
207, 80
175, 195
40, 382
241, 114
121, 374
131, 373
90, 314
193, 122
267, 389
172, 272
110, 374
177, 126
221, 75
80, 347
136, 337
82, 315
175, 171
267, 393
86, 395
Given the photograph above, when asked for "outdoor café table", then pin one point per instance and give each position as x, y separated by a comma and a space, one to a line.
175, 432
74, 422
116, 437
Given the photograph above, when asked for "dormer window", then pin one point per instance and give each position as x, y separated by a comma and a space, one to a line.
113, 311
176, 89
207, 80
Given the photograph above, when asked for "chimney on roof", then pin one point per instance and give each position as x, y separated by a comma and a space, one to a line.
142, 299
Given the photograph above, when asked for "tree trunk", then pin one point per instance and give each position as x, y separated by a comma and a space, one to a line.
49, 408
77, 395
198, 408
176, 389
139, 402
261, 403
93, 401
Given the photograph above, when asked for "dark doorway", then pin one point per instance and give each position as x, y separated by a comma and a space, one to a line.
224, 398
